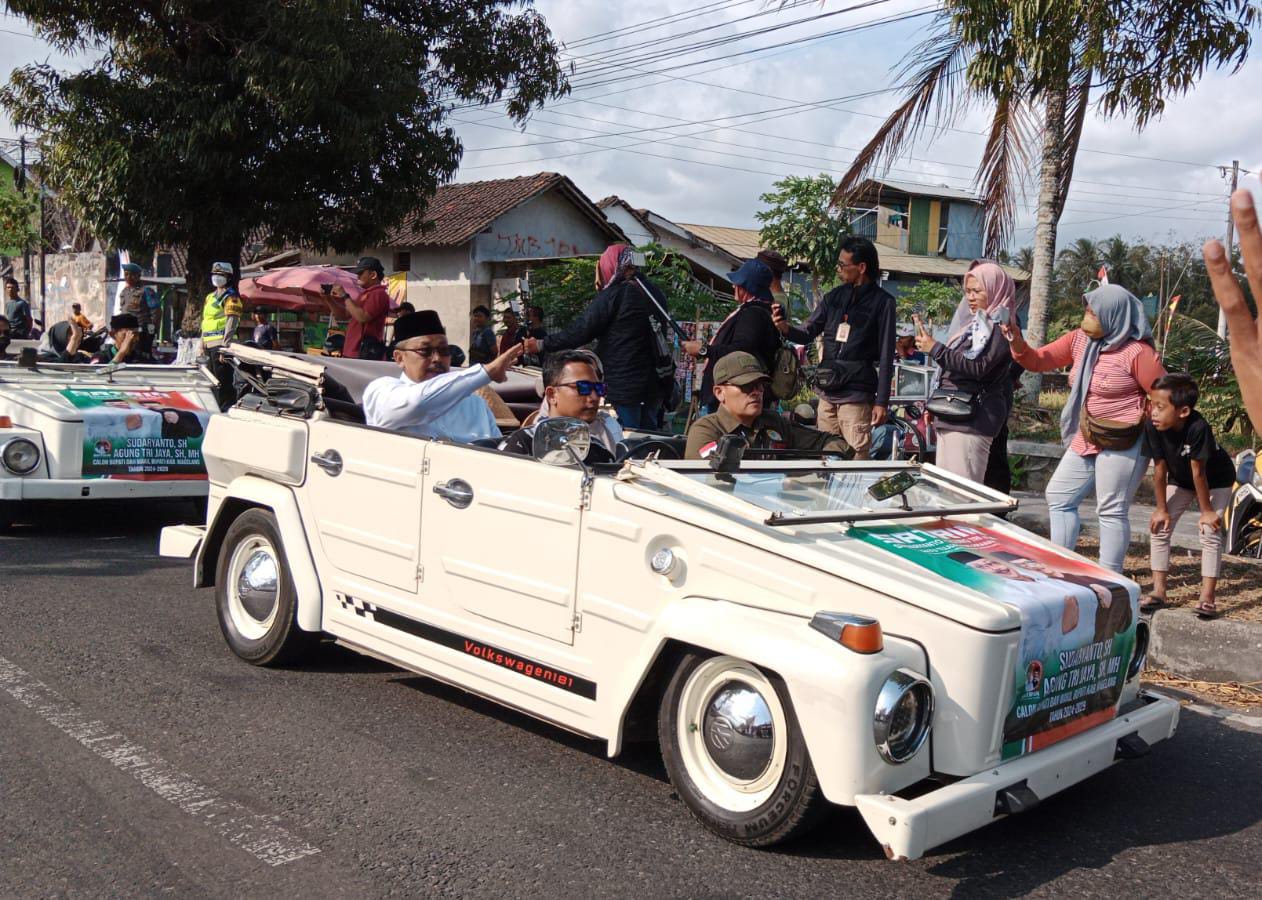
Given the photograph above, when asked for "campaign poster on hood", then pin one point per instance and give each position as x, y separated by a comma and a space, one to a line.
1077, 622
140, 434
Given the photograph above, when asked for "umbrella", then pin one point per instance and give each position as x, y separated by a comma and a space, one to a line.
308, 279
256, 294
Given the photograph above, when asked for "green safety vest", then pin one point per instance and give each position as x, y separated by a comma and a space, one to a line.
215, 313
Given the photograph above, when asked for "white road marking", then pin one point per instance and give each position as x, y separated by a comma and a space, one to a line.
256, 834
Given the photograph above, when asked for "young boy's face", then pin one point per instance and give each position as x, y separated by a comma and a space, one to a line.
1164, 414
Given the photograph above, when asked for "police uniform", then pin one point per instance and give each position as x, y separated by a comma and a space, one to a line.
769, 431
216, 311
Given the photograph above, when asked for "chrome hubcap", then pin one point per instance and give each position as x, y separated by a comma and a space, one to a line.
253, 584
257, 585
738, 731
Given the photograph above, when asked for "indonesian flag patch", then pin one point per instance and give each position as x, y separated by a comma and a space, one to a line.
709, 448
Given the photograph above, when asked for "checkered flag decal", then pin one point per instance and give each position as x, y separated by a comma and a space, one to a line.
361, 607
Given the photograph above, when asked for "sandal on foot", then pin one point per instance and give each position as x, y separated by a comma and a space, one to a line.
1151, 603
1206, 611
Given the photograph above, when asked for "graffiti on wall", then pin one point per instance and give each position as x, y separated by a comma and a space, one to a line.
69, 278
517, 244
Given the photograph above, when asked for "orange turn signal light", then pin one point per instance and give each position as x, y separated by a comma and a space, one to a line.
862, 634
6, 422
863, 638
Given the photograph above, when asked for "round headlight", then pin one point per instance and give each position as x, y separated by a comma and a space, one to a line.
1140, 656
20, 456
903, 716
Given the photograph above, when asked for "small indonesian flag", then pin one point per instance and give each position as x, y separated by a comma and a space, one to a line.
1103, 275
707, 449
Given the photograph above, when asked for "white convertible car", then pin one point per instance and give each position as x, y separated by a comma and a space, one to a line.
81, 433
794, 632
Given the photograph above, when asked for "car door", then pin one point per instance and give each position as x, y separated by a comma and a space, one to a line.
500, 537
363, 492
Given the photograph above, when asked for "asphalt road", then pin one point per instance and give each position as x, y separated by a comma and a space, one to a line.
138, 757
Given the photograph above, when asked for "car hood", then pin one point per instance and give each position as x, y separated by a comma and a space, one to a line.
921, 561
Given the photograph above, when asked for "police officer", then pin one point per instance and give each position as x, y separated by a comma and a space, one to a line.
740, 384
221, 314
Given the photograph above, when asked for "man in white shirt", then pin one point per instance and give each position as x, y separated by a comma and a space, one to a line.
427, 398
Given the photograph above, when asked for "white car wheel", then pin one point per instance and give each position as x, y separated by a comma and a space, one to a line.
254, 593
253, 586
735, 753
732, 733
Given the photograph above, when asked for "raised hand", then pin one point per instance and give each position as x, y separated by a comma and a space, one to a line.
779, 319
1012, 331
1244, 332
498, 367
924, 339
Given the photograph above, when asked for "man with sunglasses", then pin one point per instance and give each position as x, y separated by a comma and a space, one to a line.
427, 398
572, 388
740, 384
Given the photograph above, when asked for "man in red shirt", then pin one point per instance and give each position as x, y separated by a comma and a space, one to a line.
366, 329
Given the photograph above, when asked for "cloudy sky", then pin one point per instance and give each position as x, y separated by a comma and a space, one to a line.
763, 98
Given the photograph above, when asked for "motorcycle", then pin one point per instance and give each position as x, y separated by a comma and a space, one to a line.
1242, 521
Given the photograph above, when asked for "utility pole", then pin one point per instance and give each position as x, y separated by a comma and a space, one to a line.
43, 302
1235, 180
26, 248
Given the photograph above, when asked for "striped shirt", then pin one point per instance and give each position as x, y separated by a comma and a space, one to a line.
1120, 380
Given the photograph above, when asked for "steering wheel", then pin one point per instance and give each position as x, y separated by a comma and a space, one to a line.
644, 449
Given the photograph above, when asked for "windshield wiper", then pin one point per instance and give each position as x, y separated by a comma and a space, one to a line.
869, 515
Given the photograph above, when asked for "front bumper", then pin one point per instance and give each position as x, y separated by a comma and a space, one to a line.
908, 828
34, 488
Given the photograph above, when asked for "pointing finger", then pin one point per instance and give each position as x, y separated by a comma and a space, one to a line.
1246, 217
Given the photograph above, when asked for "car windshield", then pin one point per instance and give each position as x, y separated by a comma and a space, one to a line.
845, 494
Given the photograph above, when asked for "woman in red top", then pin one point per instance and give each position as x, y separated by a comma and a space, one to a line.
1114, 365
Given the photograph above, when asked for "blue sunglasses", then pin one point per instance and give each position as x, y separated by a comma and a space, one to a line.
585, 388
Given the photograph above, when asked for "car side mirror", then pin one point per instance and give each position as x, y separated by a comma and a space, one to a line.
561, 441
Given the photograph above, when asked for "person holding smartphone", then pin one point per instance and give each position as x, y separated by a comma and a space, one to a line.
365, 332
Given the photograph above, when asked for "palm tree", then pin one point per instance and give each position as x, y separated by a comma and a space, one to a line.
1077, 266
1036, 65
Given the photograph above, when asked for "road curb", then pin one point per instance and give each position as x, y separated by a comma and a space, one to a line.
1216, 650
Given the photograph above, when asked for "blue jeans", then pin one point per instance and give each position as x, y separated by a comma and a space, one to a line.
641, 416
1115, 474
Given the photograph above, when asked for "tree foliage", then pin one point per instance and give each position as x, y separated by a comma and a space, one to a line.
798, 222
319, 121
933, 301
18, 228
565, 288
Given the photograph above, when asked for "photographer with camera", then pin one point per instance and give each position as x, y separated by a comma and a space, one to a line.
365, 332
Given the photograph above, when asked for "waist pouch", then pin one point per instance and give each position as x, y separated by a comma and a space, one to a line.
832, 377
1109, 434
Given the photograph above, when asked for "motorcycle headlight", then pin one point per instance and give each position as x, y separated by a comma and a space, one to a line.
20, 456
903, 715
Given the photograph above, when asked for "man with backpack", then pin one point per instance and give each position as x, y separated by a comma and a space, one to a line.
625, 319
748, 328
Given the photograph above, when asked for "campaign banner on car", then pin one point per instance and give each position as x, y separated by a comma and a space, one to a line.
1077, 622
140, 434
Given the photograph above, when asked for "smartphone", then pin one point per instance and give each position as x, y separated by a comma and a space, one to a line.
326, 289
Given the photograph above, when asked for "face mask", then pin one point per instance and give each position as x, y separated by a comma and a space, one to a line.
219, 280
1092, 328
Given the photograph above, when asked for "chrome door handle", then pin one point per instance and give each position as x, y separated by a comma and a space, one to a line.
457, 492
330, 461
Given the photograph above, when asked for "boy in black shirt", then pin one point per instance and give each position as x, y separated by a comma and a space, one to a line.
1189, 467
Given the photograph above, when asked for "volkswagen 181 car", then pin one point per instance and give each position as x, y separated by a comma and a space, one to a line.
82, 433
793, 632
